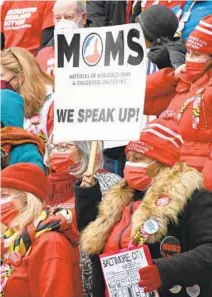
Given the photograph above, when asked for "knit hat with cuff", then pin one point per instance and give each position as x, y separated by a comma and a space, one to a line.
25, 177
159, 140
200, 39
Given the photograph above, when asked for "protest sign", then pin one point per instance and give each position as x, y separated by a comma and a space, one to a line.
100, 82
113, 144
121, 272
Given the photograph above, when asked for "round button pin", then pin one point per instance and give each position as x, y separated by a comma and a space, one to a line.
169, 246
151, 227
176, 289
163, 201
193, 291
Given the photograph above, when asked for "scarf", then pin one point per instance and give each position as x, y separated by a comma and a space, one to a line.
13, 136
60, 187
59, 220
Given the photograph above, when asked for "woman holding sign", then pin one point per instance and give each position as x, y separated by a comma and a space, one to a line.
68, 161
160, 203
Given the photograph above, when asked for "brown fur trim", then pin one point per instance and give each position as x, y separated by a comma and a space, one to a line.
178, 183
93, 238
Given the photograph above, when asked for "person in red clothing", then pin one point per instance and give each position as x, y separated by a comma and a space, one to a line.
185, 96
27, 24
40, 246
65, 12
161, 203
68, 161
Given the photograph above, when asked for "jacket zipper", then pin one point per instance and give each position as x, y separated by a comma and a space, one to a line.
123, 230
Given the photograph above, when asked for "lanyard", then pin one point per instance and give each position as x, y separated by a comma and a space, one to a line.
196, 99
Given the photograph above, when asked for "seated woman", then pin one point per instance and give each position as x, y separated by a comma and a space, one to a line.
68, 161
174, 203
38, 243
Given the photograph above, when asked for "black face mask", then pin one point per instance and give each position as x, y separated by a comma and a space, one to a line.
4, 84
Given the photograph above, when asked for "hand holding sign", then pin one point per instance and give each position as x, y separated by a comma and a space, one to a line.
150, 278
87, 180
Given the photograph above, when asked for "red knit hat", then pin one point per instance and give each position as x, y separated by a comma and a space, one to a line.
25, 177
201, 38
159, 140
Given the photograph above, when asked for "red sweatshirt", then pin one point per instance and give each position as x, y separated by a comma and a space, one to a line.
50, 270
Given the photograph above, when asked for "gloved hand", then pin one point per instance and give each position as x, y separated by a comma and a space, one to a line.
150, 278
159, 55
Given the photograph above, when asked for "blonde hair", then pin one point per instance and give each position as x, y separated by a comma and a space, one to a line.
33, 89
30, 213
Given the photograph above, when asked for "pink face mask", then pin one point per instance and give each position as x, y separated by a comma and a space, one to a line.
4, 84
60, 162
8, 210
195, 69
136, 175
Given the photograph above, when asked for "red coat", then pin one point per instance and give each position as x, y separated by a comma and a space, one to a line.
50, 270
164, 94
120, 235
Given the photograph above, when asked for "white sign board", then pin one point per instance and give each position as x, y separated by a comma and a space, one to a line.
100, 80
121, 273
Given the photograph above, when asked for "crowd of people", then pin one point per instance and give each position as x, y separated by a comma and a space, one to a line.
57, 217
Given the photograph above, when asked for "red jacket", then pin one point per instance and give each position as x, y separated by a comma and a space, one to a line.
120, 235
165, 97
50, 270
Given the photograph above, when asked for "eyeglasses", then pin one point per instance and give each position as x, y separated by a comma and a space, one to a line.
8, 199
9, 51
62, 146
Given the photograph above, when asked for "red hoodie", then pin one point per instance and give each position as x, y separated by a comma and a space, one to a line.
51, 269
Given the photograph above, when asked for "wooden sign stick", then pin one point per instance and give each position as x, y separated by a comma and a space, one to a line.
92, 159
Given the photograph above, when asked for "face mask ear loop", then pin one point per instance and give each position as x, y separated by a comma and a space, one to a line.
79, 19
11, 79
152, 162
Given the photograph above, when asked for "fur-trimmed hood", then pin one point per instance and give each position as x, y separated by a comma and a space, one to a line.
178, 183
